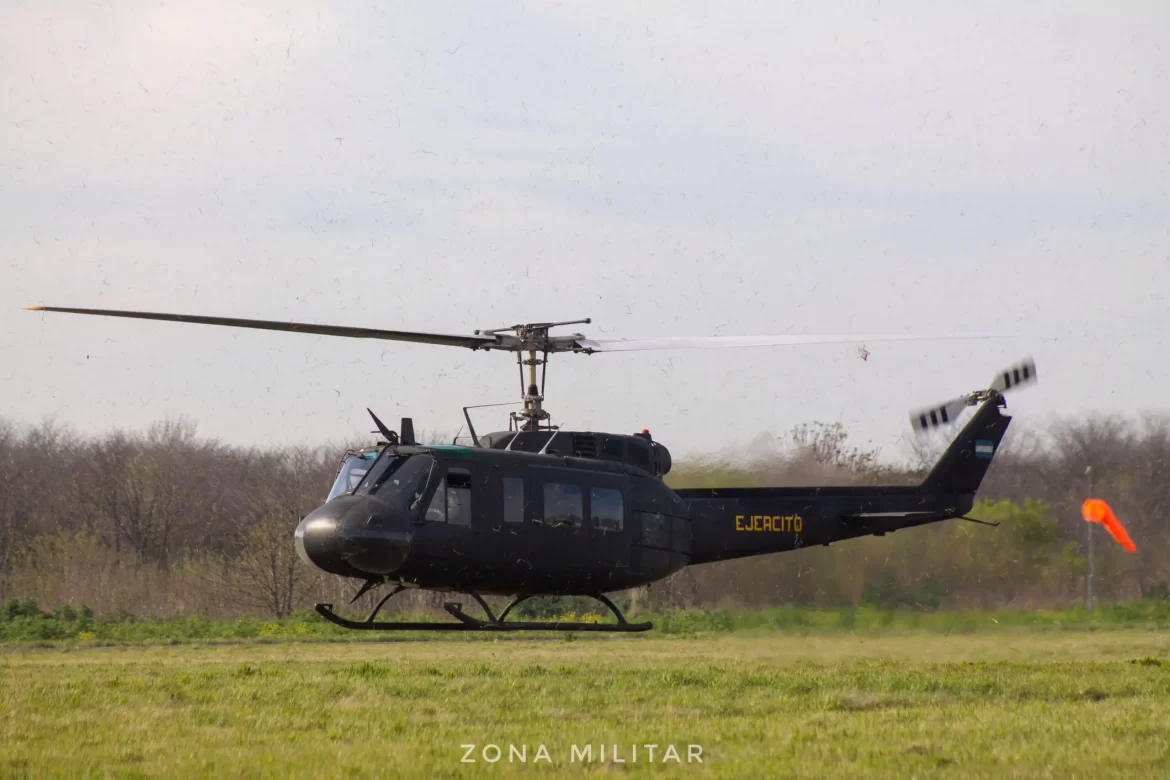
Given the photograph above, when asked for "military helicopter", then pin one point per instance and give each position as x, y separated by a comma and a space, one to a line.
538, 510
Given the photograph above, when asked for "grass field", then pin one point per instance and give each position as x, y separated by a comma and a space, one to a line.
25, 624
1052, 704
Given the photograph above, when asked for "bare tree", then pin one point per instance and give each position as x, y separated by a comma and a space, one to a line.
265, 571
144, 488
9, 493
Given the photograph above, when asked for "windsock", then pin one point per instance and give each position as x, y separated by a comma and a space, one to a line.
1094, 510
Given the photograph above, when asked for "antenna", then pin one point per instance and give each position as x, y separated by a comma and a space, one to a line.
470, 426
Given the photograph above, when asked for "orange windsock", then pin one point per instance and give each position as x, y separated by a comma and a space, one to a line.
1094, 510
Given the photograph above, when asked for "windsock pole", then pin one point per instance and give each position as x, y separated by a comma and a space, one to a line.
1089, 578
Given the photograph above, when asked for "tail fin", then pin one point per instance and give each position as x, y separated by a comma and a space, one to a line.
964, 464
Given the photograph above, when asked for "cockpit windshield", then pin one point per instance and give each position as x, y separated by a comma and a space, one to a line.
352, 470
397, 479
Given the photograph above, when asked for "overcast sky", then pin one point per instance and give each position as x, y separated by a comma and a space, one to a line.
662, 167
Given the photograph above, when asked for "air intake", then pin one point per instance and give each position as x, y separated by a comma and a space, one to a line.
584, 445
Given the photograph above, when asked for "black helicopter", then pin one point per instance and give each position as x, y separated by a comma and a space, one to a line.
536, 510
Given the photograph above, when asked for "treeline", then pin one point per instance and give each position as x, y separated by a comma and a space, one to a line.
156, 522
165, 522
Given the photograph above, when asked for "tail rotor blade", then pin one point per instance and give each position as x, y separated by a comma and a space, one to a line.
1021, 373
935, 417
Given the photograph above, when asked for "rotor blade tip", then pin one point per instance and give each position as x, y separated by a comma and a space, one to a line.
34, 308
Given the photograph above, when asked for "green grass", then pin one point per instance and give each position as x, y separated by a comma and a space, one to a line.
23, 623
1009, 703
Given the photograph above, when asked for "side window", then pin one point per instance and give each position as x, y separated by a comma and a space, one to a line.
459, 497
452, 500
437, 510
562, 504
513, 499
605, 507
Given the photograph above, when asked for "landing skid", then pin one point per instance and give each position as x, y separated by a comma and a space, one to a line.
469, 623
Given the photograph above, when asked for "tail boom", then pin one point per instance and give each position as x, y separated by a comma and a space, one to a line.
739, 522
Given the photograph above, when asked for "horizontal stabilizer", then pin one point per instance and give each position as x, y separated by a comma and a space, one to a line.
888, 515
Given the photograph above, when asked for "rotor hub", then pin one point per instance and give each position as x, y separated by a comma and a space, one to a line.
533, 338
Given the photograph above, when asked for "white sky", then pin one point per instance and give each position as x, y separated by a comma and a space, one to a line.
662, 167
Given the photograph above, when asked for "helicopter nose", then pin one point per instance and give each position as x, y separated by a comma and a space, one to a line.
352, 536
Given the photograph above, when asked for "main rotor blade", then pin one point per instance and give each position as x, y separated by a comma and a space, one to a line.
787, 340
471, 342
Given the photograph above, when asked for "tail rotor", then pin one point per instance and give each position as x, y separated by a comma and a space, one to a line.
935, 417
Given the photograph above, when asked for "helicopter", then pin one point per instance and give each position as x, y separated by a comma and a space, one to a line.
537, 510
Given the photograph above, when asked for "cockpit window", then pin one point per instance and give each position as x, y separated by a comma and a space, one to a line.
351, 473
397, 479
383, 467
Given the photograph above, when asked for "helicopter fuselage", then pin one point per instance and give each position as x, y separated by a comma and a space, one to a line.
502, 521
562, 520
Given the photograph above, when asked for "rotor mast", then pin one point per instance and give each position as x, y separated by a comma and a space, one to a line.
531, 339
